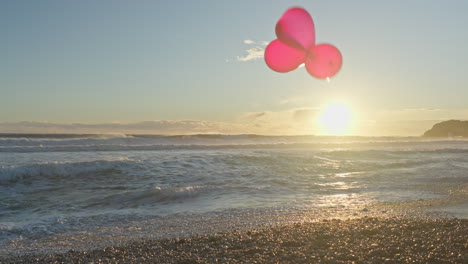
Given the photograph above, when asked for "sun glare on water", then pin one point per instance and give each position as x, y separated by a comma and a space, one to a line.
335, 119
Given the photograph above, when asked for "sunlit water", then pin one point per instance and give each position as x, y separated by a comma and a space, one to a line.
57, 192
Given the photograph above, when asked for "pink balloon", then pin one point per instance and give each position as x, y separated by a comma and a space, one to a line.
283, 58
296, 45
323, 61
296, 28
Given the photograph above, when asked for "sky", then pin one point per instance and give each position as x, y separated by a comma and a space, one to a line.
178, 67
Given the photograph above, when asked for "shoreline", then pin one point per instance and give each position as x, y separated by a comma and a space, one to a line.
366, 239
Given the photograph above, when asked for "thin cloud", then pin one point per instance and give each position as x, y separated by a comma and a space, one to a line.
145, 127
305, 114
252, 54
287, 122
277, 123
253, 116
424, 114
405, 122
251, 42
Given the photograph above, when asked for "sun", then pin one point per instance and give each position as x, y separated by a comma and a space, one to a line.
335, 119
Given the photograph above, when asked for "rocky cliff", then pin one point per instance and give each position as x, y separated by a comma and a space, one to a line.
450, 128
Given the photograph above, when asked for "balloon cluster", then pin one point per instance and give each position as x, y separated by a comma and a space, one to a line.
296, 45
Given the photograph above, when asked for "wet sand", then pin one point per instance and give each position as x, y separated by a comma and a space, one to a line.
363, 240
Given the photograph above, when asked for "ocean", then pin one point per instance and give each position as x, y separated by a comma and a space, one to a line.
59, 192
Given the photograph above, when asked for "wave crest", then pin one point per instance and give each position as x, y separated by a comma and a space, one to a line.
27, 173
145, 197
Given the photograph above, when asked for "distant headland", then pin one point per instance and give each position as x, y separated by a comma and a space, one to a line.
450, 128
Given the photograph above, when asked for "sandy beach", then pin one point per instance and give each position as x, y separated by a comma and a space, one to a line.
363, 240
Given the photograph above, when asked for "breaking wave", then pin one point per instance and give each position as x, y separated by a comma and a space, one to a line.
59, 170
200, 142
144, 197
